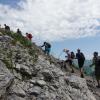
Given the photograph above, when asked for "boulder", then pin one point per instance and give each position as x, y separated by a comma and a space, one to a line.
41, 82
78, 88
17, 90
24, 67
33, 81
48, 76
14, 97
35, 90
6, 79
5, 38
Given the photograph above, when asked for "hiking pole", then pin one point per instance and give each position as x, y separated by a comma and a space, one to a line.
93, 78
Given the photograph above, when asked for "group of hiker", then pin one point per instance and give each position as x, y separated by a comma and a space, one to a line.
70, 56
28, 35
79, 56
46, 45
81, 59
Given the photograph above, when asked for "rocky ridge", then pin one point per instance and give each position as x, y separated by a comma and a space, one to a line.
27, 74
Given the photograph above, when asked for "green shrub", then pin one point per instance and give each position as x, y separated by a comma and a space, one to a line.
17, 37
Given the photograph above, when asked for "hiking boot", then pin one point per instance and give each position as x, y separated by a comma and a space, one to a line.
82, 76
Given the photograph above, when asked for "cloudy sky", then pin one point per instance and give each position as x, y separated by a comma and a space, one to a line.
68, 24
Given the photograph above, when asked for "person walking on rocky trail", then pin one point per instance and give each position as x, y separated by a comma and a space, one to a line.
47, 48
29, 36
81, 59
28, 41
69, 59
7, 28
19, 32
96, 62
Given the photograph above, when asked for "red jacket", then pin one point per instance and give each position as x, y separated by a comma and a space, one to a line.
29, 36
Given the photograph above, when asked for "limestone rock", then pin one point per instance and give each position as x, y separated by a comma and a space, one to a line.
48, 76
15, 97
5, 38
78, 88
6, 78
15, 89
41, 82
35, 90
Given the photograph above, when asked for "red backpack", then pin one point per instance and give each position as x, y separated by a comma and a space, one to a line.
30, 36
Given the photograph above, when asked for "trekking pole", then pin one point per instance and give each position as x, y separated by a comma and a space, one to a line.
93, 78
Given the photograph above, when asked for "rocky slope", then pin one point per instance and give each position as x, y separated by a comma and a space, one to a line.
27, 74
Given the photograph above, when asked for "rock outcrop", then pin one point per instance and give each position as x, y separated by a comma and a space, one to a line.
28, 74
6, 79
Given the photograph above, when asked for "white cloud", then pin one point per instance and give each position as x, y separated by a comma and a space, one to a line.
54, 20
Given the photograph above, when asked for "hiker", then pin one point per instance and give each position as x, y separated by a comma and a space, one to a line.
28, 42
47, 47
19, 32
96, 62
7, 28
29, 36
70, 56
81, 59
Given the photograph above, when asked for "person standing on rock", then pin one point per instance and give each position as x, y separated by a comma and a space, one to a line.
69, 59
29, 40
47, 48
81, 59
96, 62
19, 32
7, 28
29, 36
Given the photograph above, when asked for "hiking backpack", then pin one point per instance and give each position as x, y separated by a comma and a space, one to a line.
30, 35
48, 45
72, 55
80, 56
98, 60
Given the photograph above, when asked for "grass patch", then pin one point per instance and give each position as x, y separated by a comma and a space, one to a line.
17, 37
7, 63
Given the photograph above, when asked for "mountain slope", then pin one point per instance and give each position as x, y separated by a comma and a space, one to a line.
26, 73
